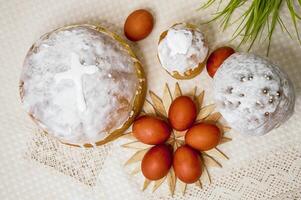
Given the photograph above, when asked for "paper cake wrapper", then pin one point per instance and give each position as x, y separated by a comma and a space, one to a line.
35, 166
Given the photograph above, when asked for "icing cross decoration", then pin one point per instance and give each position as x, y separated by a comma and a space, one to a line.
75, 73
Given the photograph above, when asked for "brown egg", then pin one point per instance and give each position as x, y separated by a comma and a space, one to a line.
157, 162
216, 59
203, 136
187, 164
138, 25
182, 113
151, 130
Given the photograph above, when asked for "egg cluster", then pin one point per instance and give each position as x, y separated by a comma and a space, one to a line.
185, 160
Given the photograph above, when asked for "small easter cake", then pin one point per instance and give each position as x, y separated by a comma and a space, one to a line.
252, 94
81, 83
182, 51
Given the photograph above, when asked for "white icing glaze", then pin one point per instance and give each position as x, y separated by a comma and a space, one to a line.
50, 96
75, 73
252, 94
178, 41
182, 49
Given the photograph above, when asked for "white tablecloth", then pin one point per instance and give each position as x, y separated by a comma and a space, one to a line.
34, 166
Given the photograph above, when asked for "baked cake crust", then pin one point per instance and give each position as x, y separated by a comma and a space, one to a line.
192, 71
98, 118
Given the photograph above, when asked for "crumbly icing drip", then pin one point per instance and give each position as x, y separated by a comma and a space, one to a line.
252, 94
79, 84
182, 49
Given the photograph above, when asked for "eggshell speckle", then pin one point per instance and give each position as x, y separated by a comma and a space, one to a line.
138, 25
157, 162
216, 59
182, 113
151, 130
187, 164
203, 136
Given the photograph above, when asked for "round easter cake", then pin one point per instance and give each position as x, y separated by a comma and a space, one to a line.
182, 51
82, 83
253, 95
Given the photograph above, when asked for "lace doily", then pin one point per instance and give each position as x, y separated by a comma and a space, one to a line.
274, 175
83, 164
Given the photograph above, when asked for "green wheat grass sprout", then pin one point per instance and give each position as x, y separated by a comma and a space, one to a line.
261, 15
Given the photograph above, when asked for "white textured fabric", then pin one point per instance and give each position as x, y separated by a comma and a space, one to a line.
268, 158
